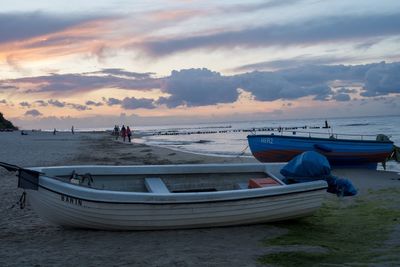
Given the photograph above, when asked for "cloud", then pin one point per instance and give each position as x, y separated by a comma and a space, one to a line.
33, 113
59, 104
382, 79
56, 103
309, 32
135, 103
239, 8
41, 103
131, 102
294, 62
3, 101
78, 106
18, 25
25, 104
61, 84
203, 87
112, 101
198, 87
341, 97
124, 73
4, 87
93, 103
346, 90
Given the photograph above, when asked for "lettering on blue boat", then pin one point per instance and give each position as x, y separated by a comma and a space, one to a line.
267, 140
71, 200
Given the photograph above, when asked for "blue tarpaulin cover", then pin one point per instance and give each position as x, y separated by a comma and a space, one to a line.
310, 166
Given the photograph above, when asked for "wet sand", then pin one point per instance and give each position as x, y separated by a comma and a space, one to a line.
27, 240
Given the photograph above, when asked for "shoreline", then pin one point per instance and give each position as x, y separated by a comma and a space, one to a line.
29, 240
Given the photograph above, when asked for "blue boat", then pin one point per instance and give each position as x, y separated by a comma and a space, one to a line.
281, 148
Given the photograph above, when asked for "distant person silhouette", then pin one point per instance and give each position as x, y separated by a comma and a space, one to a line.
128, 133
123, 132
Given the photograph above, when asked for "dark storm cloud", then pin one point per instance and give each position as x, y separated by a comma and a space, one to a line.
33, 113
135, 103
17, 26
311, 32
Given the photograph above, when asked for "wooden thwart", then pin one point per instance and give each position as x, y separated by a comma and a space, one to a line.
156, 185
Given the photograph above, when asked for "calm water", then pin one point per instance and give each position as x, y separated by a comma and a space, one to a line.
229, 139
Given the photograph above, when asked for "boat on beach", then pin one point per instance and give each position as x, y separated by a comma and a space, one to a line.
166, 196
350, 152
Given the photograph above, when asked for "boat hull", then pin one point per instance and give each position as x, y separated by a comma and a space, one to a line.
272, 148
75, 206
78, 213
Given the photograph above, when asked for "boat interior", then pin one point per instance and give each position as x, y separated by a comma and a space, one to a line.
168, 180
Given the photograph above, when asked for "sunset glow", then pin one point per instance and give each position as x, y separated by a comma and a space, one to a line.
215, 61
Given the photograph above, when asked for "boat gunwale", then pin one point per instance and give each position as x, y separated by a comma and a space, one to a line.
114, 196
163, 202
319, 138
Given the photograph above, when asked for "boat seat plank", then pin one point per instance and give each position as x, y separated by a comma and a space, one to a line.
156, 185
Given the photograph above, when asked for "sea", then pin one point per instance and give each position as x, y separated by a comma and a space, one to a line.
228, 139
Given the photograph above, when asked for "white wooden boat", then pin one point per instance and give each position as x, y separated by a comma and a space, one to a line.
165, 196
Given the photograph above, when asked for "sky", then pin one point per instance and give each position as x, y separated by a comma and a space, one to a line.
100, 63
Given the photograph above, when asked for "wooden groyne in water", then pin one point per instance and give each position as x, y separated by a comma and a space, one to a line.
227, 129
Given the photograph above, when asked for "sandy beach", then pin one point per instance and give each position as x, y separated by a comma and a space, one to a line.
27, 240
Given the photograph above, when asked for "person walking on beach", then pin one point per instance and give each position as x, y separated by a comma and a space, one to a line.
72, 129
54, 132
116, 132
128, 133
123, 132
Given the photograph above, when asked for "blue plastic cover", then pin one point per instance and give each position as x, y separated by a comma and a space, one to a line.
340, 186
310, 166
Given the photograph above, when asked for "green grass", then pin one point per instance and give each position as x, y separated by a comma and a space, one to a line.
350, 233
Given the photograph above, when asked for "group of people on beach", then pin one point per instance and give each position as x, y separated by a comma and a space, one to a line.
124, 132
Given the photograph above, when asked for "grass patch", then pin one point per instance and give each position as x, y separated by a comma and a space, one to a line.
351, 233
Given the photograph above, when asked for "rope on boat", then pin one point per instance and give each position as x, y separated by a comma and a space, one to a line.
21, 202
242, 152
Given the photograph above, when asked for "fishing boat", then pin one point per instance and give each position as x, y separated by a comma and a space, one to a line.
165, 196
282, 148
